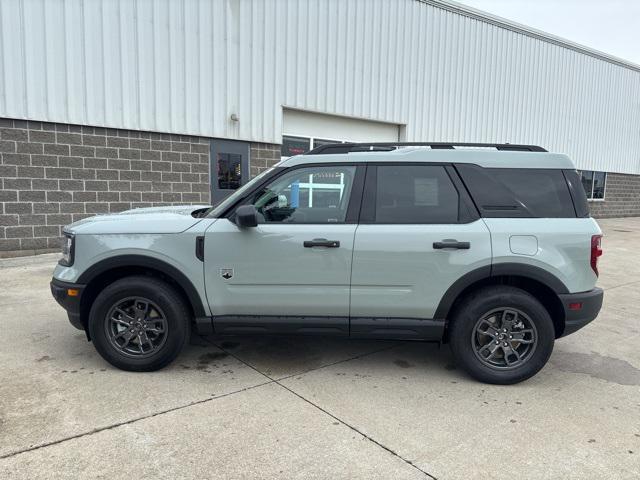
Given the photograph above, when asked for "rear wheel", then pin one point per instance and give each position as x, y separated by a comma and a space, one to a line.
501, 335
139, 323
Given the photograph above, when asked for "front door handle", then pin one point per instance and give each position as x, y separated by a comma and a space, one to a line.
321, 242
449, 243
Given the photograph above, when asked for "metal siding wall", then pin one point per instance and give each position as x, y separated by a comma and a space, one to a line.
185, 66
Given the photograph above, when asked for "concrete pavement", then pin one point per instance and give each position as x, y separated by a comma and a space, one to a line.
315, 407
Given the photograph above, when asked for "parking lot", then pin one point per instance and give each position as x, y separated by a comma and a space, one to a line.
314, 407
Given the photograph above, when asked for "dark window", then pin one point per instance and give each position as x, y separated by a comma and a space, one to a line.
307, 195
415, 194
518, 192
295, 146
577, 193
229, 171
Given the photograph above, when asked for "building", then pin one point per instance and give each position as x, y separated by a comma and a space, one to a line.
109, 105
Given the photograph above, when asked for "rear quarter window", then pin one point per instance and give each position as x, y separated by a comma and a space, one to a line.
518, 192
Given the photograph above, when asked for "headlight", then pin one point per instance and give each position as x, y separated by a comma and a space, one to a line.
68, 247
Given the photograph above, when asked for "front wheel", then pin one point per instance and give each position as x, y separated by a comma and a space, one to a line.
501, 335
139, 323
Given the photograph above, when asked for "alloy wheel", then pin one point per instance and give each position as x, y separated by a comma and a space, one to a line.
504, 338
136, 327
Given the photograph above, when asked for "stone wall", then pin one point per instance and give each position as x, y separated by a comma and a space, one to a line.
263, 156
622, 197
55, 174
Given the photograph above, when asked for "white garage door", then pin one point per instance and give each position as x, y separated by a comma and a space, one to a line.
303, 131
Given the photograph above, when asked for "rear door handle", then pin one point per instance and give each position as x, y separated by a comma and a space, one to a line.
321, 242
448, 243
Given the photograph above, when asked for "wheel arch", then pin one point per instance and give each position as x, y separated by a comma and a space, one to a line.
541, 284
109, 270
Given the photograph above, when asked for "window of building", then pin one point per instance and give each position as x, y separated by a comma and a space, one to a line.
307, 195
297, 145
594, 184
229, 171
415, 194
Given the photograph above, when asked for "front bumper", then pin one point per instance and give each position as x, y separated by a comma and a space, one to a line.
580, 309
69, 295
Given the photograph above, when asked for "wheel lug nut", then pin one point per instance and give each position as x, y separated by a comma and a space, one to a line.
505, 344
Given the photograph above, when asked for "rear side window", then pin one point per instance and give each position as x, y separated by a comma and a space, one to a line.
577, 193
519, 192
415, 194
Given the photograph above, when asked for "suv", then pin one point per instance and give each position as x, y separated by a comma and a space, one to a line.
489, 248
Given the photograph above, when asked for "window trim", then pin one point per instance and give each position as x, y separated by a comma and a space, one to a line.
467, 212
355, 198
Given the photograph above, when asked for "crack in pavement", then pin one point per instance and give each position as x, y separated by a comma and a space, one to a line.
622, 285
130, 421
172, 409
326, 412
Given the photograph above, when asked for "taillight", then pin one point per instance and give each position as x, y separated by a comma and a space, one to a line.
596, 251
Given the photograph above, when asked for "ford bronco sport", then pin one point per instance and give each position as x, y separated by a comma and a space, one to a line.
489, 248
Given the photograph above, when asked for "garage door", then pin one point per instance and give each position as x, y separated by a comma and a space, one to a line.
303, 131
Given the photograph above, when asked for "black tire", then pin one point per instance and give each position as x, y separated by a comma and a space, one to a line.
161, 298
474, 356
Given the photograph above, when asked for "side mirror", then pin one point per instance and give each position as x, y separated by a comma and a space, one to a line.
246, 216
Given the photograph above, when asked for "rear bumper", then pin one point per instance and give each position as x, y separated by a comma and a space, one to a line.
69, 295
589, 306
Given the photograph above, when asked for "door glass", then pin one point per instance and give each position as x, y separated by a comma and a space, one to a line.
229, 171
307, 195
415, 194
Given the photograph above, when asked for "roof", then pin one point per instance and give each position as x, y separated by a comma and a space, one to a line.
484, 157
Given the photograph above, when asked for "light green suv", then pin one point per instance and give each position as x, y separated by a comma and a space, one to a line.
489, 248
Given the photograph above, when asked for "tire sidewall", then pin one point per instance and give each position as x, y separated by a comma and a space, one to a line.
479, 304
159, 293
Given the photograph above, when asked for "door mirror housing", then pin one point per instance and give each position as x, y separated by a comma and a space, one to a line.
246, 216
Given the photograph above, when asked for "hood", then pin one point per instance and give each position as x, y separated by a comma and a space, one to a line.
170, 219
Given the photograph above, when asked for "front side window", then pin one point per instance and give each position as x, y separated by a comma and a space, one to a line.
219, 209
307, 195
415, 194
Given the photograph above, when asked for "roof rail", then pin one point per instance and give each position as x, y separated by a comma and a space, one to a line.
335, 148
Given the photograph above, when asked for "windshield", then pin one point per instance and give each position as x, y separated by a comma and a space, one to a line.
217, 210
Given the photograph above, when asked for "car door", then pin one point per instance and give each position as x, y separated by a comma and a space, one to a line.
418, 234
292, 272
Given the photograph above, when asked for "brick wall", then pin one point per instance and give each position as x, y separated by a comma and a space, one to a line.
54, 174
622, 197
263, 156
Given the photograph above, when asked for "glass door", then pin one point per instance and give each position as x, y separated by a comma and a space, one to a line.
229, 168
